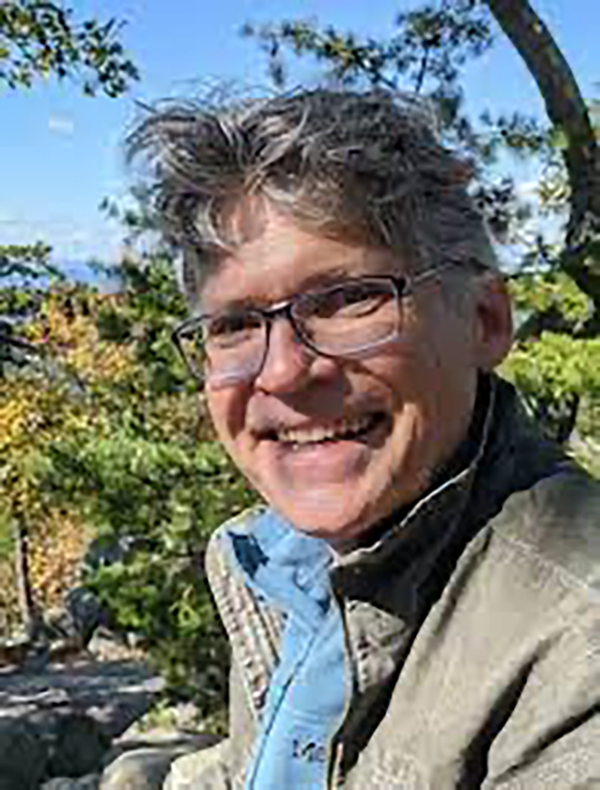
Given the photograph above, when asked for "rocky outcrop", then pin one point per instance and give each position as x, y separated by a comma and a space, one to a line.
62, 634
68, 700
23, 756
61, 721
145, 763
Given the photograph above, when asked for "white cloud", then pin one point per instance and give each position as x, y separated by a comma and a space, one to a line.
60, 124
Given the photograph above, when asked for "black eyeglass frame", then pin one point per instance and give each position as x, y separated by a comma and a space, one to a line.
403, 286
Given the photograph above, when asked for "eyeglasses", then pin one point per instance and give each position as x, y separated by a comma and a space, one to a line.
349, 319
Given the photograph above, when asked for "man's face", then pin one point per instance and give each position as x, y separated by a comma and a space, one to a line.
334, 445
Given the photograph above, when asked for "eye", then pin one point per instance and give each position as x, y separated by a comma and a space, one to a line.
232, 328
349, 300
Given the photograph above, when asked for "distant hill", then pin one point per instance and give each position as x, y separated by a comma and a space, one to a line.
102, 276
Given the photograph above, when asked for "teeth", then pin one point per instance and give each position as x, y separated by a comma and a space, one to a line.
320, 433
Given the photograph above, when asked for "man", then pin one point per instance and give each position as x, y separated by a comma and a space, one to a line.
416, 606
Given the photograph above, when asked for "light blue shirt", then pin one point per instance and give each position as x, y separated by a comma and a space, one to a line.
305, 701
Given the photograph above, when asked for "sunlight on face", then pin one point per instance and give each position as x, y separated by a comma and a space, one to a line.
334, 445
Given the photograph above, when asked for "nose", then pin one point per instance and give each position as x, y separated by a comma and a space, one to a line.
287, 362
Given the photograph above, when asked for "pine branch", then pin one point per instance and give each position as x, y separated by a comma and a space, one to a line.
569, 114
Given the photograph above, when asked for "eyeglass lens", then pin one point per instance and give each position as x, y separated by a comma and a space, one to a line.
348, 319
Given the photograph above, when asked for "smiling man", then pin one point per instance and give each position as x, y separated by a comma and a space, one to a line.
416, 604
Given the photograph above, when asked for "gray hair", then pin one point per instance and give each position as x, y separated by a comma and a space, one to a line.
335, 160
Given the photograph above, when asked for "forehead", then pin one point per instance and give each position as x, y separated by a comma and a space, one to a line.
276, 258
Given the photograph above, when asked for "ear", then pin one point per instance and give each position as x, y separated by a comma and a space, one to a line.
493, 322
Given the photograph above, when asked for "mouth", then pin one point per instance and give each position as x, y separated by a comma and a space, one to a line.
347, 429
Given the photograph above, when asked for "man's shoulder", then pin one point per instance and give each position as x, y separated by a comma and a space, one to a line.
556, 524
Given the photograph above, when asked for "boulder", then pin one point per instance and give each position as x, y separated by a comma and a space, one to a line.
61, 721
142, 769
76, 743
144, 764
37, 743
201, 768
23, 755
113, 693
89, 782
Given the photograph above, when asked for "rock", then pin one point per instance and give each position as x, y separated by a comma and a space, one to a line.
106, 550
66, 716
206, 765
147, 758
105, 645
76, 743
143, 769
113, 693
78, 617
85, 611
62, 636
46, 743
23, 756
89, 782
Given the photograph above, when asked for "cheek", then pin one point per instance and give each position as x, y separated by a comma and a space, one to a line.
406, 374
431, 386
227, 409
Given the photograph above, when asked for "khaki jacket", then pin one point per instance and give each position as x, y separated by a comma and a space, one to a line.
472, 632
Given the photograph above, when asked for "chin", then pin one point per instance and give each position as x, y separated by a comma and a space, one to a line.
322, 512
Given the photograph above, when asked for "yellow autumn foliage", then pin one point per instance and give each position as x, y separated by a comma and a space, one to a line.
36, 410
71, 334
56, 550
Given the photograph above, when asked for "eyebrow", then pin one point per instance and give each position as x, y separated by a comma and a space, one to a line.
335, 276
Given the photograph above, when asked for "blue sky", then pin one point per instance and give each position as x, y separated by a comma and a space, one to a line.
61, 152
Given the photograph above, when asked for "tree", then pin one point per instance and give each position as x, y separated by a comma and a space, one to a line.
557, 358
27, 263
38, 40
568, 114
579, 258
115, 448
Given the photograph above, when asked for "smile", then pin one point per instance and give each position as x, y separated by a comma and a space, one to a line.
343, 430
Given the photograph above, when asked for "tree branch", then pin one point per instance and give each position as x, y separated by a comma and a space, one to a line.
423, 70
568, 113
